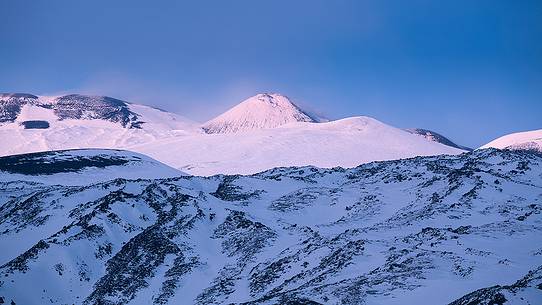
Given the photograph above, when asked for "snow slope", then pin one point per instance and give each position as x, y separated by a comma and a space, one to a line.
263, 111
160, 120
79, 121
83, 166
465, 229
18, 107
263, 132
347, 142
527, 140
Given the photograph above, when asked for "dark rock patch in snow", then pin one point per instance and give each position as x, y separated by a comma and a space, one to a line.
44, 163
35, 124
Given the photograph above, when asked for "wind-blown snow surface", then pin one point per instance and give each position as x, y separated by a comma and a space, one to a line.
347, 142
428, 230
528, 140
262, 111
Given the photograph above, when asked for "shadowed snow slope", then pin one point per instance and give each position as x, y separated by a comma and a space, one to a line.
347, 142
527, 140
426, 230
262, 111
83, 166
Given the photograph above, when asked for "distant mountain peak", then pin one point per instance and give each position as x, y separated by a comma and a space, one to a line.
271, 98
72, 106
436, 137
262, 111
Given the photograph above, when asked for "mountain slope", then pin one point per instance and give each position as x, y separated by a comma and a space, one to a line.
525, 291
397, 232
263, 132
30, 123
436, 137
527, 140
74, 106
19, 107
262, 111
84, 166
347, 142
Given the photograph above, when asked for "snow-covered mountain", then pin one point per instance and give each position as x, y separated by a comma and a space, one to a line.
21, 108
263, 111
527, 140
262, 132
347, 142
437, 137
30, 123
463, 229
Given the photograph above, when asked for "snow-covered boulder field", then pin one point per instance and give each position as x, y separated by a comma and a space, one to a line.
463, 229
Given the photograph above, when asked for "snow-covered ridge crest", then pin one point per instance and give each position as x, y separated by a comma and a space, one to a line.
436, 137
527, 140
262, 111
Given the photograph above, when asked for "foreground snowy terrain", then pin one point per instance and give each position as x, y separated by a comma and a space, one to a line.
262, 132
462, 229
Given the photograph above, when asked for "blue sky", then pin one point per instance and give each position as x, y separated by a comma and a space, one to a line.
471, 70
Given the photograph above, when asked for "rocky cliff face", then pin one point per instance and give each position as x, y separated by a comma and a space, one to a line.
73, 106
431, 229
11, 104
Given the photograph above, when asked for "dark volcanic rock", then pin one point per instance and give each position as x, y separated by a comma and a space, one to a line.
73, 106
76, 106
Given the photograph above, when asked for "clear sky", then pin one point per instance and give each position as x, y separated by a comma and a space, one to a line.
471, 70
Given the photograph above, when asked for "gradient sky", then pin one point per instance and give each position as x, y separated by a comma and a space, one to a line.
471, 70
